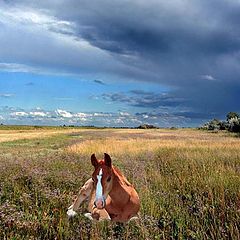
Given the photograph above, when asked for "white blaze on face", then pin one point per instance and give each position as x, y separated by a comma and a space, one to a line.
99, 189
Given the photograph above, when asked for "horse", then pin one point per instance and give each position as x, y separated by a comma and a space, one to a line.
111, 196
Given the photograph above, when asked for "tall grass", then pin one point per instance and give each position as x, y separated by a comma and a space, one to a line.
188, 182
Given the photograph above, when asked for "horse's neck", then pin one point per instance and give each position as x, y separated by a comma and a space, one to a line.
120, 177
120, 186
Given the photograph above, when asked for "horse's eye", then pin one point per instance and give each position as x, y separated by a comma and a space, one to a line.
93, 179
109, 179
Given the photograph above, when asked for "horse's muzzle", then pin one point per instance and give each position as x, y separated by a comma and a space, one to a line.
100, 203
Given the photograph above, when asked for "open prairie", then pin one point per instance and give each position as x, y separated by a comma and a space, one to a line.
188, 182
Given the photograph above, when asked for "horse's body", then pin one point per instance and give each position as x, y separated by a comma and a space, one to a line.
111, 195
122, 202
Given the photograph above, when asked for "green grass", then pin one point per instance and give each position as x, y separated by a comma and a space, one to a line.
188, 182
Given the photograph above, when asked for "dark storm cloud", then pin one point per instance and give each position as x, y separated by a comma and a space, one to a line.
138, 98
183, 114
99, 82
175, 43
195, 115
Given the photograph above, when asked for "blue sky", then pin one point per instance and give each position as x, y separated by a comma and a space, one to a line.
52, 92
118, 63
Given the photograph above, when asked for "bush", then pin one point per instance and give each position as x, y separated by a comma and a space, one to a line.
231, 115
214, 124
223, 125
147, 126
234, 124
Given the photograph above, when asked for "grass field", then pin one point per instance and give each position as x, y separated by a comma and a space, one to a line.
188, 182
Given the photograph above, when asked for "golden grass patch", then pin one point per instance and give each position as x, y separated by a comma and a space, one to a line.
137, 141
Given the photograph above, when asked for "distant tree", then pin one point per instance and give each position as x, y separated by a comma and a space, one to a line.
214, 124
231, 115
223, 125
234, 125
146, 126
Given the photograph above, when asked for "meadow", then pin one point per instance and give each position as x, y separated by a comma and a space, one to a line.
188, 182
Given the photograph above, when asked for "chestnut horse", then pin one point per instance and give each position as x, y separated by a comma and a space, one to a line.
111, 195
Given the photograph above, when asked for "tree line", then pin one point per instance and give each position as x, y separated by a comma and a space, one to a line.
232, 123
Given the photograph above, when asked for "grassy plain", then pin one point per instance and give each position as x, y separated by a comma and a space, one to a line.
188, 181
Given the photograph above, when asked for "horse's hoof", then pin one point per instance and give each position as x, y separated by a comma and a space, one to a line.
71, 213
89, 216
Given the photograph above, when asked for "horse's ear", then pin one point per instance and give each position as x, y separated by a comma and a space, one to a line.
107, 160
94, 160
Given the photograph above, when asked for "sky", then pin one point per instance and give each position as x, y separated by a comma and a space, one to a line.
119, 63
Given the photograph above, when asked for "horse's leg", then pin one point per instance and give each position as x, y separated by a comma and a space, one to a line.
91, 205
83, 194
95, 213
100, 214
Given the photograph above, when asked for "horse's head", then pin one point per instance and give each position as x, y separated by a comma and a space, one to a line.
102, 177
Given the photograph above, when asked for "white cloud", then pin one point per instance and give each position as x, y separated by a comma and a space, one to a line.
39, 114
60, 116
6, 95
29, 17
41, 32
81, 115
118, 121
124, 114
82, 119
102, 114
16, 67
19, 114
63, 113
208, 77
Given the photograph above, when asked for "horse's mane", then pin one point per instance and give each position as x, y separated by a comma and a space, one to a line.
122, 177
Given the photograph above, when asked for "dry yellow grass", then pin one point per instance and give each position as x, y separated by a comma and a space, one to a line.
188, 182
12, 135
137, 141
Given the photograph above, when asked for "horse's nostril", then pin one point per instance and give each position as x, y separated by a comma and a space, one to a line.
99, 204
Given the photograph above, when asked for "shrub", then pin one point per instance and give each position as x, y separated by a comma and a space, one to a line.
146, 126
223, 125
231, 115
214, 124
234, 124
